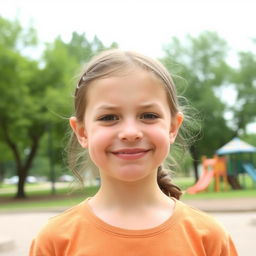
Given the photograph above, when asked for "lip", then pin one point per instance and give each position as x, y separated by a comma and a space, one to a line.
130, 153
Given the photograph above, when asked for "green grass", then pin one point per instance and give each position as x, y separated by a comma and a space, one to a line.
250, 190
65, 197
246, 193
39, 197
186, 182
38, 192
29, 204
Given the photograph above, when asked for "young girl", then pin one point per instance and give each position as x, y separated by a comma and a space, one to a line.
127, 115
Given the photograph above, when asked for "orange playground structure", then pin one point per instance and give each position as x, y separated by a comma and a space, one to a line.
212, 168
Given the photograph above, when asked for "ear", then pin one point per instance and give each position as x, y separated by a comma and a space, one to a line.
175, 125
79, 130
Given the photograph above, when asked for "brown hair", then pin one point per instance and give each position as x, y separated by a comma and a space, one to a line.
117, 62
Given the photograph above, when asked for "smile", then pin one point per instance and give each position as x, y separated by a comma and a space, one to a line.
131, 153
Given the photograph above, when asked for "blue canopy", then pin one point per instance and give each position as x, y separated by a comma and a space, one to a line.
236, 146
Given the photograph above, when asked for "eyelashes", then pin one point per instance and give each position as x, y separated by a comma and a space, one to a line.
108, 118
148, 116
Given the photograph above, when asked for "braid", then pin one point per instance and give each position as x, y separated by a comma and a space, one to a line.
165, 184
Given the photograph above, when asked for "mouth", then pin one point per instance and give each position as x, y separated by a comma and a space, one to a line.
131, 153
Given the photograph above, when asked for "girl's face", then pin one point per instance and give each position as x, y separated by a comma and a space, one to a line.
127, 126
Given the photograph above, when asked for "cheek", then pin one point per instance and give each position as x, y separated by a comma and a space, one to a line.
98, 142
160, 132
160, 137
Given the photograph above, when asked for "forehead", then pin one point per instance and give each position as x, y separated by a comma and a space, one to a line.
136, 83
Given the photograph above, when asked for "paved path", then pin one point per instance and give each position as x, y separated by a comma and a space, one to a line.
239, 218
224, 205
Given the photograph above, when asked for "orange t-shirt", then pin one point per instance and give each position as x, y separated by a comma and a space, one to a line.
78, 232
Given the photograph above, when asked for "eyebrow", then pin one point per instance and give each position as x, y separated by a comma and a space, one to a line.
107, 107
149, 105
114, 107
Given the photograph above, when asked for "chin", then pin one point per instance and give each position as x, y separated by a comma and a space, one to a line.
133, 174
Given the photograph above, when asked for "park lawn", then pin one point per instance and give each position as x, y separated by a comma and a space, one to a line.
245, 193
209, 193
250, 190
67, 196
51, 203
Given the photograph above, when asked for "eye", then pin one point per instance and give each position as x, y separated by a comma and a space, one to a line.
149, 116
108, 118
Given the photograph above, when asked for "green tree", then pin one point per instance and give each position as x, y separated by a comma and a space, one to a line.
5, 158
62, 63
201, 62
244, 78
18, 129
35, 94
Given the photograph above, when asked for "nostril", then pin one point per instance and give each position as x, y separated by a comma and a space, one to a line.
126, 136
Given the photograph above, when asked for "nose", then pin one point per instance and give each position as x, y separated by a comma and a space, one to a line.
130, 131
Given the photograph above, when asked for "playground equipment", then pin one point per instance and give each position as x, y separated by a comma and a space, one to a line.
250, 170
236, 146
239, 155
234, 158
212, 168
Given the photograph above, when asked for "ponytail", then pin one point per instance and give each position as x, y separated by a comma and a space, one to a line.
165, 184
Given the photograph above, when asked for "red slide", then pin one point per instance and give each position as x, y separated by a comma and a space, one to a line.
202, 183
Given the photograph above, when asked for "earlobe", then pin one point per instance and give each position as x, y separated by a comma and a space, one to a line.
175, 125
79, 130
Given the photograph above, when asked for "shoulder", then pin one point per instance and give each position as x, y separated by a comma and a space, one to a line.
57, 230
195, 215
199, 218
204, 229
67, 219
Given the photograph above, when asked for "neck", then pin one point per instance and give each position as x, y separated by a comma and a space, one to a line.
129, 195
132, 205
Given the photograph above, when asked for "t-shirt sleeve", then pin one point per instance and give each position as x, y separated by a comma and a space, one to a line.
215, 238
219, 242
228, 248
42, 245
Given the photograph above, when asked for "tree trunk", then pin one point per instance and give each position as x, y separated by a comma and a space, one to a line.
2, 172
23, 172
194, 155
22, 168
21, 184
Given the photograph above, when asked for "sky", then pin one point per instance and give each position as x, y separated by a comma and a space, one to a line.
141, 25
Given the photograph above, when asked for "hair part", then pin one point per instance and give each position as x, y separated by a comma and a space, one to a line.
116, 63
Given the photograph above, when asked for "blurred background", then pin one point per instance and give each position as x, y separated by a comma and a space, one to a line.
208, 46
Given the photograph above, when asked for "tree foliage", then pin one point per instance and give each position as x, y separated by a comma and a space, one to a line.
244, 78
20, 127
201, 62
36, 94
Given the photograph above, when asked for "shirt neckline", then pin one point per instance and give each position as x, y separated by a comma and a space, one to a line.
103, 226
